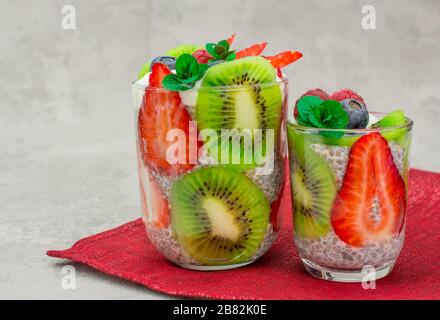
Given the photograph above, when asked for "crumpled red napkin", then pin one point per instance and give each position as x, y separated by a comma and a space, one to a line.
125, 252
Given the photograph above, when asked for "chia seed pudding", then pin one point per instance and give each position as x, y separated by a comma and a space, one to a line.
198, 213
348, 189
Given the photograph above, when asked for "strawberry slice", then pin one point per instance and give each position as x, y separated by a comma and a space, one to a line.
254, 50
275, 217
162, 111
371, 173
159, 213
158, 72
231, 39
284, 58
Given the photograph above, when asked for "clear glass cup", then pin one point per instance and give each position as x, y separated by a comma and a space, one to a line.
210, 194
349, 193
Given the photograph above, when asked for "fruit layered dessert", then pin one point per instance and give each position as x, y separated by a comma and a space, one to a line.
349, 174
211, 151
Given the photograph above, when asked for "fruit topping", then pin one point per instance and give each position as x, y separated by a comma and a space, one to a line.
284, 58
357, 113
202, 56
393, 119
169, 61
231, 39
313, 188
159, 72
314, 93
371, 203
183, 49
254, 50
161, 111
175, 52
346, 94
219, 215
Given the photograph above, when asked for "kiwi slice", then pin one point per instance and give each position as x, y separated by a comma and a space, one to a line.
313, 188
175, 52
240, 94
393, 119
183, 48
219, 215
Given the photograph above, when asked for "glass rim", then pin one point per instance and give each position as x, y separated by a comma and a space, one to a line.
408, 125
278, 83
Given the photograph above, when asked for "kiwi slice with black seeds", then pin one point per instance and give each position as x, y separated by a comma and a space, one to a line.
242, 94
313, 188
219, 215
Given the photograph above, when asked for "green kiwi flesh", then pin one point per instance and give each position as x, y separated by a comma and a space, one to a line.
242, 94
313, 188
219, 215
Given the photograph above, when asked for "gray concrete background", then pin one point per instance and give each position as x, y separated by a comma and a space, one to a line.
67, 158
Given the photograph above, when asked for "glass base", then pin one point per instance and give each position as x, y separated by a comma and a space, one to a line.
214, 268
367, 274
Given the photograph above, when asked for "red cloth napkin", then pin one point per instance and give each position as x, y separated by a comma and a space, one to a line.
125, 252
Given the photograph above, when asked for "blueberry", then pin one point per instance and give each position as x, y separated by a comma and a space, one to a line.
357, 113
170, 62
213, 63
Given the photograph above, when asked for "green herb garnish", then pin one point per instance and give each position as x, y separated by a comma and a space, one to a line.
220, 51
188, 71
313, 112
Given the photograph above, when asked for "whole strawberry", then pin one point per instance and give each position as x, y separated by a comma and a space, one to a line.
202, 56
346, 94
312, 92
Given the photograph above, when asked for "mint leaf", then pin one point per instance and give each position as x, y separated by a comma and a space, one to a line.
338, 118
306, 105
188, 71
185, 64
171, 82
224, 44
231, 57
220, 51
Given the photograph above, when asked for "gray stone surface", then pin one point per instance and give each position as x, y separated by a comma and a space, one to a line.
67, 159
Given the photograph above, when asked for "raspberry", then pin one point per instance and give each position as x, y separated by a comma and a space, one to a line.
202, 56
312, 92
346, 94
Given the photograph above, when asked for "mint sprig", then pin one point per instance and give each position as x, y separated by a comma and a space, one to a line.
220, 51
313, 112
188, 72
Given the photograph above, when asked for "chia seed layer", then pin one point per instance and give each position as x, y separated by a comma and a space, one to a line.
166, 243
270, 182
337, 158
269, 239
329, 250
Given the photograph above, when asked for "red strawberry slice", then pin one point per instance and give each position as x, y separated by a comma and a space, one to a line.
231, 39
254, 50
159, 216
275, 217
162, 111
158, 72
284, 58
370, 173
